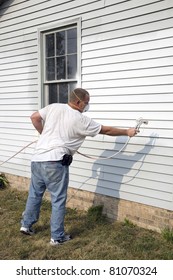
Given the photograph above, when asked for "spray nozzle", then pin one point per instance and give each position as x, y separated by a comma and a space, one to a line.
140, 121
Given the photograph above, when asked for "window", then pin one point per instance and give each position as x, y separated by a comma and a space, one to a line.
59, 63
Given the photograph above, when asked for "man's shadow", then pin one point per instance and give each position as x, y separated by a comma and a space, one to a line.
115, 176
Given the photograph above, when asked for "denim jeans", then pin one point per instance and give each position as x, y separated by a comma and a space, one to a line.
54, 177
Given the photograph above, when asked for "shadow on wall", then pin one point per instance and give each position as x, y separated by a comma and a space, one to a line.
111, 178
4, 5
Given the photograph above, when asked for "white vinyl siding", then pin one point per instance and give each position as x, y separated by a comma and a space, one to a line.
126, 65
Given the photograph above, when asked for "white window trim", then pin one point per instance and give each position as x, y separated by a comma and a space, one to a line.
40, 34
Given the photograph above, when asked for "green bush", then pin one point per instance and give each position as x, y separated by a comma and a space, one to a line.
3, 181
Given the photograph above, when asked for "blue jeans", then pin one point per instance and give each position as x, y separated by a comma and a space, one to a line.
54, 177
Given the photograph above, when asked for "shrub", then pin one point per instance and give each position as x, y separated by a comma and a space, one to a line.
3, 181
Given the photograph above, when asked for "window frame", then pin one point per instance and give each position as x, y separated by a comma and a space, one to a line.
41, 54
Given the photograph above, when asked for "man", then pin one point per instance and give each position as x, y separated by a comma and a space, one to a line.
62, 129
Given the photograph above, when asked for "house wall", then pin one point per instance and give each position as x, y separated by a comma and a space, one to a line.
127, 66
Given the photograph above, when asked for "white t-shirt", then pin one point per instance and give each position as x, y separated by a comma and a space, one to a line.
64, 131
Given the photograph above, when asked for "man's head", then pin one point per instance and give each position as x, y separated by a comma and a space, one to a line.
79, 99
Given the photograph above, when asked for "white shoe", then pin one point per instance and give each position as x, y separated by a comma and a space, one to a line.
66, 237
27, 231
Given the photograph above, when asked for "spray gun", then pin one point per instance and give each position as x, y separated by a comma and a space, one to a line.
140, 121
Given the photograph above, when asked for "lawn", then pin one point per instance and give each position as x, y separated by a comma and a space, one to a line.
94, 237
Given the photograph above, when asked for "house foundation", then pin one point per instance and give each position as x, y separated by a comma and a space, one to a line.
115, 209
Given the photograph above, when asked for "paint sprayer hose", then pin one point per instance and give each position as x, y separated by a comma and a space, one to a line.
139, 121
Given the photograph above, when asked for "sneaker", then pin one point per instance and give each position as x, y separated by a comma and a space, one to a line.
66, 237
27, 231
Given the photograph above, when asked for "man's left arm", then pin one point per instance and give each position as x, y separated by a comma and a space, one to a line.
37, 121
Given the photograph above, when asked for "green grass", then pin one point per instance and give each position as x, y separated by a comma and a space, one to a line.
94, 238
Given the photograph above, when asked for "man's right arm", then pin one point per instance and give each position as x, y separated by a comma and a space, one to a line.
113, 131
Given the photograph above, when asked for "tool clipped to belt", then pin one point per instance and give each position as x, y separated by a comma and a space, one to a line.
67, 159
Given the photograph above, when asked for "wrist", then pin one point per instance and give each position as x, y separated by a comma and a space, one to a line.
126, 132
